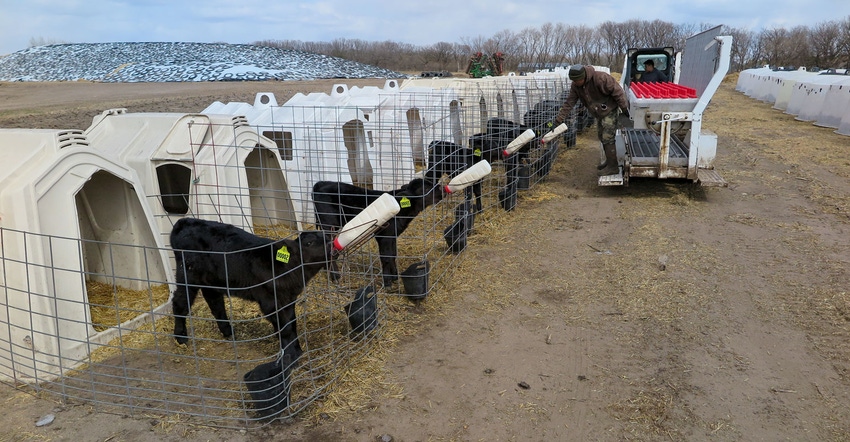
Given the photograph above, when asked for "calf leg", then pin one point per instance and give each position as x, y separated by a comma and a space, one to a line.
333, 270
181, 305
289, 333
215, 300
284, 323
476, 190
388, 249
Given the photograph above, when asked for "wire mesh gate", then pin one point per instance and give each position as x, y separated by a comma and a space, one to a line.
89, 318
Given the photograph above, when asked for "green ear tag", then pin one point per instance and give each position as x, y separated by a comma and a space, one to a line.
282, 255
404, 203
476, 152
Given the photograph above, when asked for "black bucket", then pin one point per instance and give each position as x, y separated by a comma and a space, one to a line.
415, 280
507, 197
456, 234
546, 161
524, 177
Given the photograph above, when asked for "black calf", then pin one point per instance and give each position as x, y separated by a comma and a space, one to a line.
490, 144
220, 259
337, 203
447, 158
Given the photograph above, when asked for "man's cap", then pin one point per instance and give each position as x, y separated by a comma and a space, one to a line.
577, 72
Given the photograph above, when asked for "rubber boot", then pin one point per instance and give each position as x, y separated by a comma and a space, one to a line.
611, 166
603, 165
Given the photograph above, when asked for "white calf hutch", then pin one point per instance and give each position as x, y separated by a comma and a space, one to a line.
817, 97
94, 208
201, 165
835, 105
70, 217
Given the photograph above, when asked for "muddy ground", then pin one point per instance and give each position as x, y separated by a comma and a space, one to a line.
657, 311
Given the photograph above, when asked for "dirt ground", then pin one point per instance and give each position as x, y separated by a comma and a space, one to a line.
657, 311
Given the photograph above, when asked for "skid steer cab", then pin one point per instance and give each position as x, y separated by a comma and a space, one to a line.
664, 137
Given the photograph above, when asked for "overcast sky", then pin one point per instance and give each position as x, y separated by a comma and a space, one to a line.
419, 22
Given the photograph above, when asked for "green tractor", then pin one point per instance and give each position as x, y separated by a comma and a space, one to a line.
481, 65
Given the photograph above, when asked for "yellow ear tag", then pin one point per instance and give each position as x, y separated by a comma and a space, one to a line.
476, 152
282, 255
404, 203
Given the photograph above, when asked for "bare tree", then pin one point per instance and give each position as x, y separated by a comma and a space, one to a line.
438, 57
475, 44
461, 55
589, 45
742, 50
774, 43
660, 33
824, 41
825, 44
528, 42
618, 37
681, 33
797, 47
844, 43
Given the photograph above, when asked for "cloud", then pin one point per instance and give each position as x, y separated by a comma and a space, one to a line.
419, 23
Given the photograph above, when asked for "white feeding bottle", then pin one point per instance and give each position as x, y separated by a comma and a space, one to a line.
375, 214
467, 177
555, 132
518, 142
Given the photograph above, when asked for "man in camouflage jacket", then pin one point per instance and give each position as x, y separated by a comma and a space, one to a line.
605, 100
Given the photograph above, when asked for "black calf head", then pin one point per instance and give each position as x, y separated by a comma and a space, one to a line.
446, 158
315, 246
430, 191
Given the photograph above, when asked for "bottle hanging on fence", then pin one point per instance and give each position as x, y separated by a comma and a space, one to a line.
518, 142
467, 177
555, 132
375, 214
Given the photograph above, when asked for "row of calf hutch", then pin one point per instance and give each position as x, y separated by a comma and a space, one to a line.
85, 215
821, 97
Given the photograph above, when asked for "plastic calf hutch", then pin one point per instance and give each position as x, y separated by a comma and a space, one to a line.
371, 137
207, 166
835, 105
70, 216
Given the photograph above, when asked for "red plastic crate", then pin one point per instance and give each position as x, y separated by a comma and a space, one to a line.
662, 90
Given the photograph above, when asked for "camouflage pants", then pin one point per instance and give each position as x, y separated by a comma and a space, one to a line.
606, 127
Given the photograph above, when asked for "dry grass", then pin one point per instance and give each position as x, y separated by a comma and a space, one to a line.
344, 374
111, 305
655, 297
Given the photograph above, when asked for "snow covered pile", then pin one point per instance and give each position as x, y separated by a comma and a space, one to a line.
162, 62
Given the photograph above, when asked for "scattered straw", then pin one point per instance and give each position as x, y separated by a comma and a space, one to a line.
111, 305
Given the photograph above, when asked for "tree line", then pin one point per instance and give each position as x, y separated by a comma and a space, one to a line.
824, 45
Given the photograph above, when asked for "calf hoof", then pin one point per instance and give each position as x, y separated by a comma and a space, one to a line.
334, 276
390, 281
226, 330
294, 352
181, 339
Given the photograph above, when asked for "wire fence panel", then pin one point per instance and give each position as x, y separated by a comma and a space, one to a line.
87, 307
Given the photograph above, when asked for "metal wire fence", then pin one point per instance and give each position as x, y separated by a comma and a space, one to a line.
85, 299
